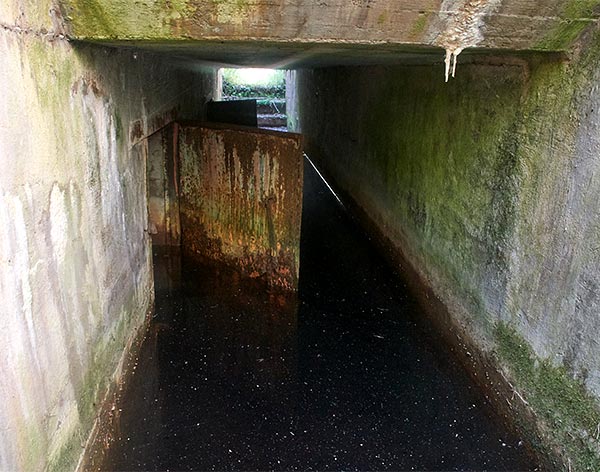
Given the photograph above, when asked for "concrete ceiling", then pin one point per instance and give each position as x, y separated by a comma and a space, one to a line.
309, 55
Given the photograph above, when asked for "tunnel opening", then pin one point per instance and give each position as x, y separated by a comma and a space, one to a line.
252, 97
483, 188
194, 276
271, 344
255, 378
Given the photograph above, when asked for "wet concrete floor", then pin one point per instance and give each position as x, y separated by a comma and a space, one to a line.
231, 377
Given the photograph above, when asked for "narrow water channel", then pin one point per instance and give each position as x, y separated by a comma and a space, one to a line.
342, 378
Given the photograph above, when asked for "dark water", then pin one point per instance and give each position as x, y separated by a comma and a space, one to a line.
233, 378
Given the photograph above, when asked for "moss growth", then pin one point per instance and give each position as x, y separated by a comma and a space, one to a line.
432, 168
559, 400
68, 456
34, 443
563, 35
231, 11
419, 25
89, 12
575, 9
576, 17
104, 360
94, 384
117, 18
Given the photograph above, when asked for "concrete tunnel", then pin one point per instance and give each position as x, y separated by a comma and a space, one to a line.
463, 136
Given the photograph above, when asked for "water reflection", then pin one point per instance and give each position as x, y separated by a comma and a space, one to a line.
219, 360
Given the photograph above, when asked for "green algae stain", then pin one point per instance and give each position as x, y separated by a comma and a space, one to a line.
560, 401
90, 19
419, 25
94, 384
35, 442
576, 17
443, 168
52, 73
46, 73
571, 415
144, 19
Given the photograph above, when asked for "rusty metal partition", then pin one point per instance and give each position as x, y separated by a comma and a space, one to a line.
240, 199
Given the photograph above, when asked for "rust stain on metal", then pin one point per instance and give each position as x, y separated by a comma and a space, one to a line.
241, 199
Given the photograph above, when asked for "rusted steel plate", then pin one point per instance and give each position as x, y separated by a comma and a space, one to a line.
241, 199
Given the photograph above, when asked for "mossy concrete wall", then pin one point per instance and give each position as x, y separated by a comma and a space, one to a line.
513, 24
75, 266
490, 186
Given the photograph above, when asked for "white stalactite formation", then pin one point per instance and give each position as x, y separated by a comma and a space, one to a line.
461, 23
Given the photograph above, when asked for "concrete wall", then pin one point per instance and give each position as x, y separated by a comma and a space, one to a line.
513, 24
489, 186
75, 270
241, 199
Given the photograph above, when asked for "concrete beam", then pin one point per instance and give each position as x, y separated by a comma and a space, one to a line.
546, 25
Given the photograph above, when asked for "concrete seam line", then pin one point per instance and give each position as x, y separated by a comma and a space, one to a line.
49, 35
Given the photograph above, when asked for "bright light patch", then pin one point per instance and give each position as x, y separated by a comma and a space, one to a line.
254, 76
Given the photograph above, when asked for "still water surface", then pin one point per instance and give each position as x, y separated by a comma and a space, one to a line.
231, 377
